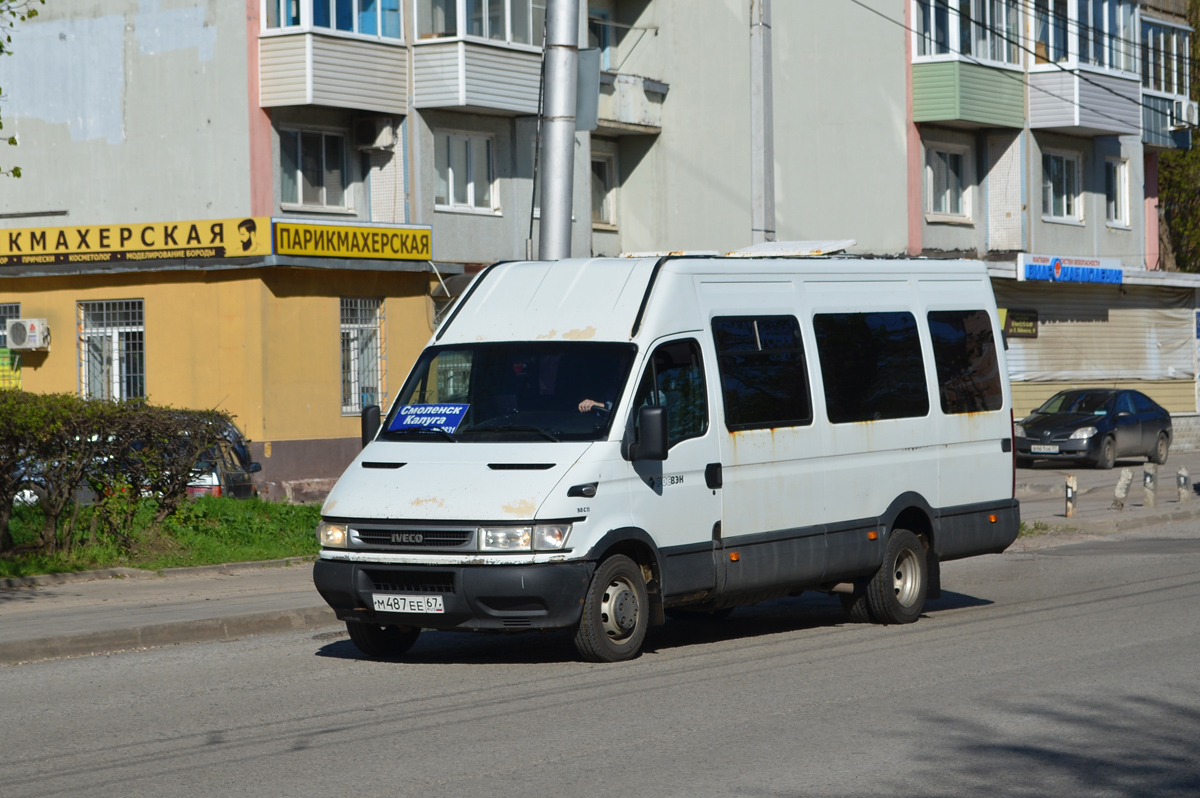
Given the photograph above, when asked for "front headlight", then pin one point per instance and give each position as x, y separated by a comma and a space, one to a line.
1018, 430
543, 537
1083, 433
332, 535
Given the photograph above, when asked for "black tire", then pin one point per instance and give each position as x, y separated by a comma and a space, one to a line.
1108, 454
1024, 462
382, 642
896, 594
693, 616
1161, 449
855, 605
615, 612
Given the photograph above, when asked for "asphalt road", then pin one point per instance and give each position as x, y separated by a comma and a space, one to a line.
1072, 670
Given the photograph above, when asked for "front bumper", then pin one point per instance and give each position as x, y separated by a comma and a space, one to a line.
475, 597
1086, 449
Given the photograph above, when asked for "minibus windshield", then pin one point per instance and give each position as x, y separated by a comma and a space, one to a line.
511, 391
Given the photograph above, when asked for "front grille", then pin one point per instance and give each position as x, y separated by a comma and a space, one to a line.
412, 581
416, 538
517, 623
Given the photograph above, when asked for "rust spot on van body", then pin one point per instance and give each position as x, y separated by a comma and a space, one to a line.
548, 335
581, 335
432, 501
522, 507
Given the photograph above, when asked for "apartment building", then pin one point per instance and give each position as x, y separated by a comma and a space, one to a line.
1023, 132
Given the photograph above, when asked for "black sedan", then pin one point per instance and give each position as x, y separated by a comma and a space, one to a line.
1095, 425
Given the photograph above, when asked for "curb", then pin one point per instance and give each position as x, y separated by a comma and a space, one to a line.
42, 580
166, 634
1128, 523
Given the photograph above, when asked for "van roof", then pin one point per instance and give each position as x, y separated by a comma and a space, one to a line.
600, 298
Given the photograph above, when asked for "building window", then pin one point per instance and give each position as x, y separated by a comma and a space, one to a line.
364, 17
8, 311
112, 349
512, 21
1106, 35
947, 181
1116, 192
1050, 30
1165, 59
604, 191
980, 29
362, 354
464, 172
313, 169
1060, 186
871, 365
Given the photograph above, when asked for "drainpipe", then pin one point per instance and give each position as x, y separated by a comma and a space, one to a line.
558, 128
762, 125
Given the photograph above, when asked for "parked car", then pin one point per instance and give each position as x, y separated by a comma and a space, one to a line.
1095, 425
225, 469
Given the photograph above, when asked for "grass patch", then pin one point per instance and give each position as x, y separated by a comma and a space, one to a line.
207, 531
1038, 528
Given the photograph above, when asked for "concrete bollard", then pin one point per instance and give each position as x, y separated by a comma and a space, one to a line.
1150, 485
1122, 491
1072, 492
1183, 484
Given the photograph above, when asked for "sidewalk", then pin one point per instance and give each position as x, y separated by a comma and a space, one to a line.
122, 609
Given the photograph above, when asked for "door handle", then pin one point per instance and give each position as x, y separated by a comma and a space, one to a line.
712, 475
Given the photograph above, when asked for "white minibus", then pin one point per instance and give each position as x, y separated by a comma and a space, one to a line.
593, 445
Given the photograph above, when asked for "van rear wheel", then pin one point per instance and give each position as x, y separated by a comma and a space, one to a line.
615, 612
896, 594
382, 642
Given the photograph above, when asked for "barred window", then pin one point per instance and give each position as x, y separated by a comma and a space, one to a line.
362, 354
112, 349
8, 311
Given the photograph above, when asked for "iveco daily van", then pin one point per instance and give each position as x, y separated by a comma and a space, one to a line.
593, 444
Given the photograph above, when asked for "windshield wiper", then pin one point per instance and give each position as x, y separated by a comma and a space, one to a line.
517, 428
425, 431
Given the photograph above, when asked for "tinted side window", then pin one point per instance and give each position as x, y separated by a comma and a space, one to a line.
764, 380
677, 369
1125, 403
1143, 403
871, 365
965, 355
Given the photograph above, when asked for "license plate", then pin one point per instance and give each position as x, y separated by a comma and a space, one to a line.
390, 602
1043, 449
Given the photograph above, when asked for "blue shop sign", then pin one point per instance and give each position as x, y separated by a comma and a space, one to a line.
1056, 269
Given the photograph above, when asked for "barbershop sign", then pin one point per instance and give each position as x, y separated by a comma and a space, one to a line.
1064, 269
249, 237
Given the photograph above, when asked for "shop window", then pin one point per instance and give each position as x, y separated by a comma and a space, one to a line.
1116, 192
463, 164
112, 349
871, 365
1060, 187
362, 354
947, 181
764, 379
313, 169
604, 191
674, 378
11, 310
10, 362
964, 352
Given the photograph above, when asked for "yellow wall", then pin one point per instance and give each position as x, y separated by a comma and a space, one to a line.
1177, 396
263, 344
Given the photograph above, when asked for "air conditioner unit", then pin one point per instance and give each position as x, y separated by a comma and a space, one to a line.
1183, 115
28, 334
374, 133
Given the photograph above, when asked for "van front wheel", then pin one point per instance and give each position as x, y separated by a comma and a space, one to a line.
615, 607
896, 594
382, 642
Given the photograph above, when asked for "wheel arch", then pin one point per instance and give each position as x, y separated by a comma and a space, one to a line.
912, 512
637, 545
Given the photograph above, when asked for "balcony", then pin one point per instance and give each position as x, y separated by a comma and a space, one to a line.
1085, 102
965, 95
630, 105
327, 69
476, 75
1165, 122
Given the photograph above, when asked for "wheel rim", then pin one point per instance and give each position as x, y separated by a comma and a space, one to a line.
619, 609
906, 578
1162, 448
1110, 453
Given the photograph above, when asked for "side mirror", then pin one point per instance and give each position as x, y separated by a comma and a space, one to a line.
370, 423
1123, 414
254, 468
652, 440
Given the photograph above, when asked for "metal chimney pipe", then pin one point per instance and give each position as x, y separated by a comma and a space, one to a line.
762, 125
558, 128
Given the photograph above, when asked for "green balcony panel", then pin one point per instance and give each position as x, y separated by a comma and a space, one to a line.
968, 95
